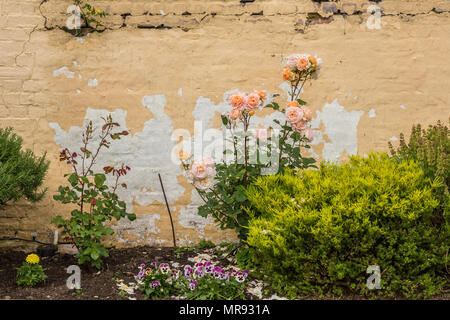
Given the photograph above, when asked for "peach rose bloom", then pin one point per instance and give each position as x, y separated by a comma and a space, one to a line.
199, 170
307, 114
294, 114
235, 113
299, 126
252, 101
287, 74
261, 94
309, 134
291, 61
236, 99
203, 169
303, 63
293, 104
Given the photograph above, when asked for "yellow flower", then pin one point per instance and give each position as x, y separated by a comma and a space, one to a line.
32, 258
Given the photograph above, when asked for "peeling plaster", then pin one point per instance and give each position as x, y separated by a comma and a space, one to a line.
189, 217
147, 153
92, 82
372, 113
340, 127
65, 71
141, 227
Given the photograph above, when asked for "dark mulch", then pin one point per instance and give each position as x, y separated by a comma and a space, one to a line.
121, 264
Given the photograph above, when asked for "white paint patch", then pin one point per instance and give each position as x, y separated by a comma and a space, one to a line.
75, 63
141, 226
80, 40
92, 82
393, 138
403, 107
80, 76
162, 12
65, 71
189, 217
147, 153
129, 90
340, 128
180, 92
372, 113
78, 90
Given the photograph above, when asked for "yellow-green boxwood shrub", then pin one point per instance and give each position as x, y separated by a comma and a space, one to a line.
317, 231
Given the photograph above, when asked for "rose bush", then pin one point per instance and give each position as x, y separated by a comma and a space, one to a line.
252, 151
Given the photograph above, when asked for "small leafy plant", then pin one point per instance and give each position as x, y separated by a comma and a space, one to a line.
96, 202
90, 15
31, 272
21, 172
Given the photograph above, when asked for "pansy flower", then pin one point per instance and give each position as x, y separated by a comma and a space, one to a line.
192, 285
164, 267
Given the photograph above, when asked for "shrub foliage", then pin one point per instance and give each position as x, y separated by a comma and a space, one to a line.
21, 172
431, 149
319, 230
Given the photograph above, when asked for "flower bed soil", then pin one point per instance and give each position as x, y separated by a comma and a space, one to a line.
121, 264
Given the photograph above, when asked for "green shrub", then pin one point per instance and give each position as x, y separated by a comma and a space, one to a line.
318, 231
430, 148
21, 172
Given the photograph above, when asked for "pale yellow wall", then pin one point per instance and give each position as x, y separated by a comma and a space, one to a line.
220, 46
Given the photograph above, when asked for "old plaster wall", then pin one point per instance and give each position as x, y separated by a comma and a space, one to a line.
161, 65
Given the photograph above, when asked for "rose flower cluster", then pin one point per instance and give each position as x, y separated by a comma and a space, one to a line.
299, 116
202, 172
245, 104
300, 66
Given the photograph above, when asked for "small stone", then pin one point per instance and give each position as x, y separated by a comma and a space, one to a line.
7, 298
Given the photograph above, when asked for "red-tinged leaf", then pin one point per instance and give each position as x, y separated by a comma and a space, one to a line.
74, 155
108, 169
128, 168
124, 133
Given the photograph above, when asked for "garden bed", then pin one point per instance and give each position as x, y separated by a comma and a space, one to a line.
121, 265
